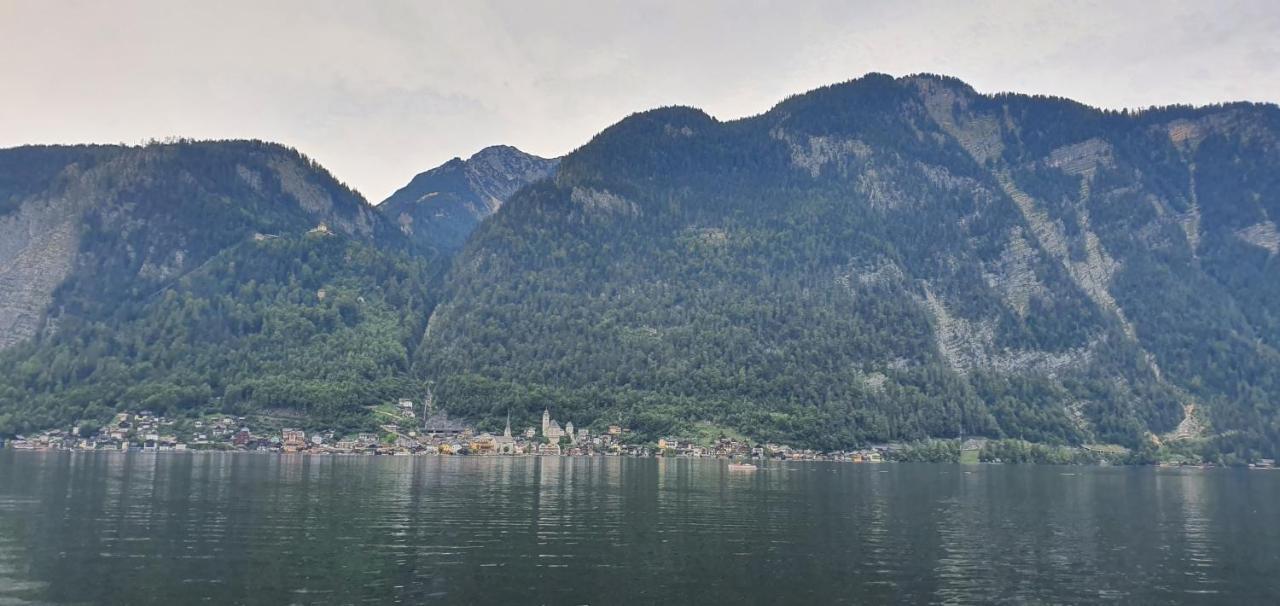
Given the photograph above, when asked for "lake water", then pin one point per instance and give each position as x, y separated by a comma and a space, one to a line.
264, 529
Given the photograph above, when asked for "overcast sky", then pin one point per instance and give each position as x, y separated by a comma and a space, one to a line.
378, 91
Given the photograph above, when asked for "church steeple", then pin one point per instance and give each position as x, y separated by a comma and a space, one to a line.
506, 433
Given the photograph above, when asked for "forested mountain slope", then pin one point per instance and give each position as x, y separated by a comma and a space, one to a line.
236, 275
887, 259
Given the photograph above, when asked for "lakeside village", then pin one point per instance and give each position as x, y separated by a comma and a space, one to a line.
406, 433
403, 432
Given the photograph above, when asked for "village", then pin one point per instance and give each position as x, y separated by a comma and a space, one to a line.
403, 432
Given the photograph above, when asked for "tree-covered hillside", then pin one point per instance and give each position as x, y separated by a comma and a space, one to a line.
234, 276
310, 327
886, 259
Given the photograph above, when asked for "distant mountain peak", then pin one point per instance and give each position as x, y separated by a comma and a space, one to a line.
499, 150
440, 207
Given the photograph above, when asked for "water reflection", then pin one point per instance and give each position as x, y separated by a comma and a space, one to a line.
116, 528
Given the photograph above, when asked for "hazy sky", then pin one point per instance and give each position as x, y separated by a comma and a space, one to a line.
378, 91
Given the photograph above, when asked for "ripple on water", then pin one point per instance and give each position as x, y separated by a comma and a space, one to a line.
609, 530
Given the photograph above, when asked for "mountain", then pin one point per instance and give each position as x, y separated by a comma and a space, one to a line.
887, 259
237, 275
439, 208
879, 260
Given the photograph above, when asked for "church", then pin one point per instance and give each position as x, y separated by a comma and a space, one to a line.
551, 429
506, 443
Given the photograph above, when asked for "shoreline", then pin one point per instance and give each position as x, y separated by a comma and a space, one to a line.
762, 463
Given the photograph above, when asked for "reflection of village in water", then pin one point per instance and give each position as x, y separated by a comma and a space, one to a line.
403, 431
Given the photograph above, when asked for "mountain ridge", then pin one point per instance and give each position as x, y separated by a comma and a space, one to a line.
1037, 163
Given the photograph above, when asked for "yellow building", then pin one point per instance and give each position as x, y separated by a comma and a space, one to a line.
483, 444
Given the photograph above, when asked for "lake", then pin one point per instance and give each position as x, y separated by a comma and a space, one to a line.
163, 528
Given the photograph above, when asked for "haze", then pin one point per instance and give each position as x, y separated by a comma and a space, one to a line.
380, 91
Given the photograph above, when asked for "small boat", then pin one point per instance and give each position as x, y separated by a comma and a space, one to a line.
742, 467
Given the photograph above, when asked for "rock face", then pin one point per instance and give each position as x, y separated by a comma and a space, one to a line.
817, 152
1014, 276
1263, 235
38, 244
43, 195
117, 220
439, 208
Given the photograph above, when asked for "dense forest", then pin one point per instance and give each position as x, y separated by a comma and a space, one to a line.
887, 259
313, 327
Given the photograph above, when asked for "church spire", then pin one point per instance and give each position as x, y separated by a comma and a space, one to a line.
506, 433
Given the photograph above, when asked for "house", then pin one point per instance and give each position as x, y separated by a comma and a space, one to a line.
293, 440
484, 443
549, 449
450, 448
